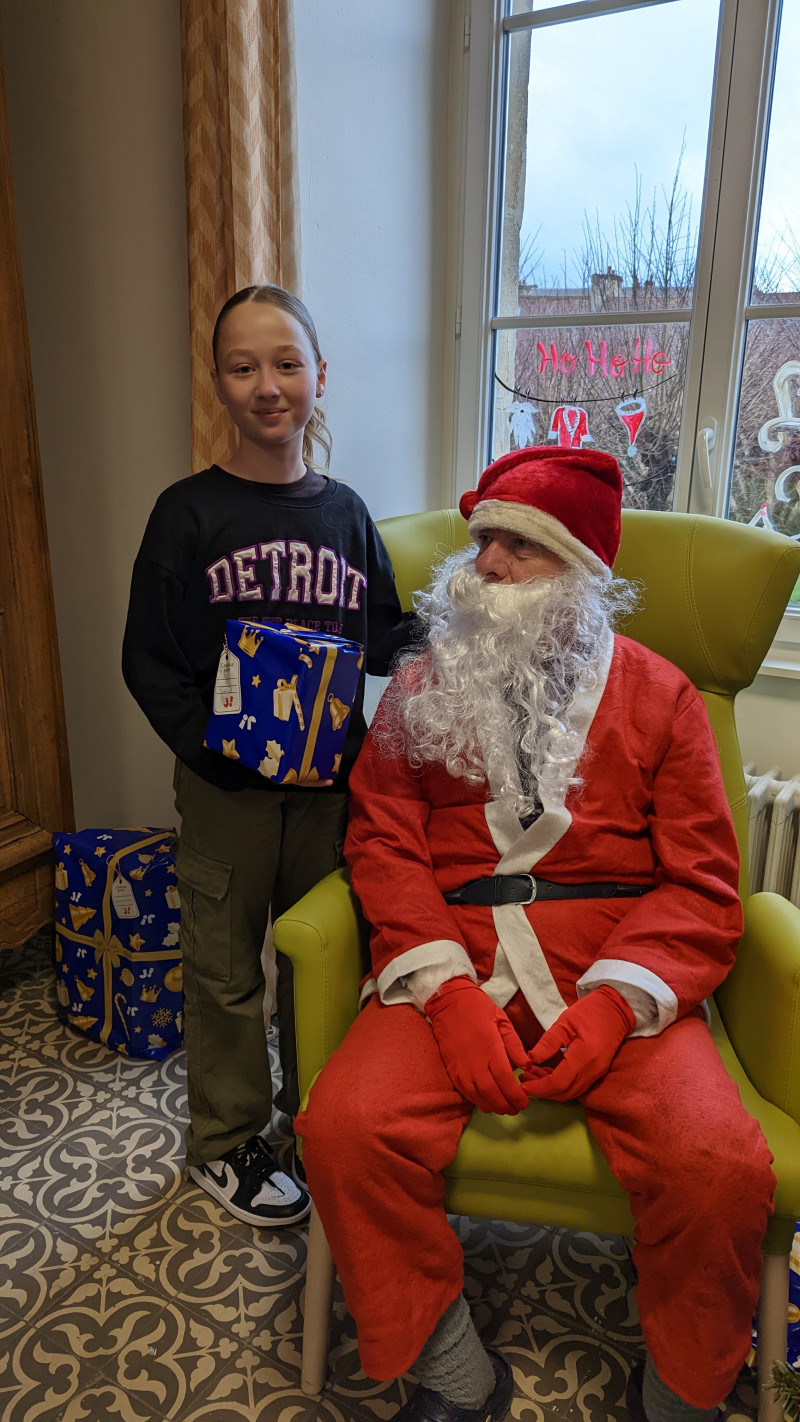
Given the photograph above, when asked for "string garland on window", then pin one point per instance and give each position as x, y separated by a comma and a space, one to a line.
569, 424
573, 397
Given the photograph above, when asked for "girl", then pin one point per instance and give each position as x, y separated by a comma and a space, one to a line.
266, 536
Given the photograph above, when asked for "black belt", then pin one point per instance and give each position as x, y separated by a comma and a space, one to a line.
498, 889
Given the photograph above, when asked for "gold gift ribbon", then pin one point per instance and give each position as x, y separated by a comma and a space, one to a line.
106, 946
316, 717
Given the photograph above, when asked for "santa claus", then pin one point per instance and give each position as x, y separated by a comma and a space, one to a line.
540, 839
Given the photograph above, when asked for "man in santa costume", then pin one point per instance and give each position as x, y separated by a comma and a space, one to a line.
540, 839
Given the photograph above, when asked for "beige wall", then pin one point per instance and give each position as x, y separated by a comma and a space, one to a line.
768, 721
372, 127
95, 117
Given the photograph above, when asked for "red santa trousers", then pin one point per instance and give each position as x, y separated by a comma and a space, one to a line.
384, 1120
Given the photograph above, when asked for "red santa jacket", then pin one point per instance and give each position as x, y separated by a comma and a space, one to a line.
651, 810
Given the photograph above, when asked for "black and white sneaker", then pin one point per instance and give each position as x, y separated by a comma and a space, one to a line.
248, 1181
294, 1165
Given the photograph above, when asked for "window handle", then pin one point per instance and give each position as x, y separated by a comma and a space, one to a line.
706, 439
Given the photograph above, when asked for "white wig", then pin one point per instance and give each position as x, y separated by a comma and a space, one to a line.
492, 700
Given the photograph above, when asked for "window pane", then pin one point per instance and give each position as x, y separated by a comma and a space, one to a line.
765, 487
777, 268
529, 7
617, 388
605, 159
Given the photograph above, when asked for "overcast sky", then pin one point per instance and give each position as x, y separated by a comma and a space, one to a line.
620, 93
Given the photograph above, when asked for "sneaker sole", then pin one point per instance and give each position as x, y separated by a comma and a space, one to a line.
247, 1216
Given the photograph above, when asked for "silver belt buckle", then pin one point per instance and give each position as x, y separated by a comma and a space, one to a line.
525, 902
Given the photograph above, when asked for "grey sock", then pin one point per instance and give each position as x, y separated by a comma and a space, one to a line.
663, 1405
454, 1362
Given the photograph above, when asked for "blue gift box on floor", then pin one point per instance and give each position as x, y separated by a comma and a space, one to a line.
282, 700
118, 964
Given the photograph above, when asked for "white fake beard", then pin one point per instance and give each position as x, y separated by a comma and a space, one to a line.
493, 703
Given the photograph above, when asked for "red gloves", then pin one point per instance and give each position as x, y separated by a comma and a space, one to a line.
479, 1046
590, 1032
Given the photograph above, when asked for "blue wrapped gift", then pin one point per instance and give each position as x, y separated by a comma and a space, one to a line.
118, 963
282, 699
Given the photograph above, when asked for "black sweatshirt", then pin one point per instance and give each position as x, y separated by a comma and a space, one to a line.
217, 546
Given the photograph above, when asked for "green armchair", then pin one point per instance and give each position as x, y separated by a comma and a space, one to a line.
714, 595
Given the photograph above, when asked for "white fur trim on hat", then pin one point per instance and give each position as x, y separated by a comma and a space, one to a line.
537, 525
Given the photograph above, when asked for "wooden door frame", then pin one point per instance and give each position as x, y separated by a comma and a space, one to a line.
35, 786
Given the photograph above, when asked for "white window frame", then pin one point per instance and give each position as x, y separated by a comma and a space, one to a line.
734, 174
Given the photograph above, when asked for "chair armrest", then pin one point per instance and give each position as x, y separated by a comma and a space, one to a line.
322, 935
759, 1002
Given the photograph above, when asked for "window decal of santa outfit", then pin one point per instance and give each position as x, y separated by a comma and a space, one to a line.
632, 412
570, 426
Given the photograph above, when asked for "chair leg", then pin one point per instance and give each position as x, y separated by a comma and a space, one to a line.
320, 1274
772, 1314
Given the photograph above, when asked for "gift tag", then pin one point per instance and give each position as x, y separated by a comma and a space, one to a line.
228, 685
122, 896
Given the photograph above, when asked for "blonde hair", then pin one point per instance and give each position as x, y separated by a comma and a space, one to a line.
316, 431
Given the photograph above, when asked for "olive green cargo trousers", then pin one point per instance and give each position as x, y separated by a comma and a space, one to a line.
238, 854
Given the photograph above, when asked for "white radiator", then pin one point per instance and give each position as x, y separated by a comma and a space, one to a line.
773, 807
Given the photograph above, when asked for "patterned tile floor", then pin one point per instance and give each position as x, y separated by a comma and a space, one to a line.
127, 1293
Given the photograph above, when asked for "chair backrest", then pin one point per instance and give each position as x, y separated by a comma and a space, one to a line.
714, 593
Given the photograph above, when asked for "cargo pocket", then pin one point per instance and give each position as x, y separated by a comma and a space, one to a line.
205, 912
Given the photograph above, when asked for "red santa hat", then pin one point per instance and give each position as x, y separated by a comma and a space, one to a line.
568, 500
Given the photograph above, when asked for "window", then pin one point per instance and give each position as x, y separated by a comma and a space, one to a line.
630, 267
